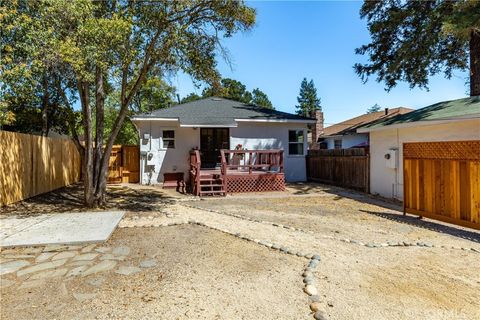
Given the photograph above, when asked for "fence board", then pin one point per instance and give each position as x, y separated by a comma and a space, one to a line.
31, 165
442, 181
347, 168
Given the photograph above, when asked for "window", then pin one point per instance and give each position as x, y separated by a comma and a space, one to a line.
295, 142
337, 144
168, 139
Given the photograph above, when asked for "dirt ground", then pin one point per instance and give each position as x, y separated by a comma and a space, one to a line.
201, 274
206, 274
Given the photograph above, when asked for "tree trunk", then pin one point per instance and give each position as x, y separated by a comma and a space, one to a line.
83, 89
45, 99
99, 125
475, 63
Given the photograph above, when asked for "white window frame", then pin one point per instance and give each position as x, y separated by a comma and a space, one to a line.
303, 143
162, 140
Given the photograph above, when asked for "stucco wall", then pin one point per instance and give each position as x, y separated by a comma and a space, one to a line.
388, 182
272, 136
250, 135
347, 141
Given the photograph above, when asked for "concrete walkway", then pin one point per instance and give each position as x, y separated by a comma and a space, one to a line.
63, 228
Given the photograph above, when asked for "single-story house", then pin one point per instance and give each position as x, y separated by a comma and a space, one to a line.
344, 135
447, 121
168, 137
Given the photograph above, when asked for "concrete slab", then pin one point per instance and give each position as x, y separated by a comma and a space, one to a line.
61, 228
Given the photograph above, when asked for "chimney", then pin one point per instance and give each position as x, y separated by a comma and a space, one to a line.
317, 129
386, 111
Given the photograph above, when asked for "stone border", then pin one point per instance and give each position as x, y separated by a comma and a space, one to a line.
346, 240
308, 278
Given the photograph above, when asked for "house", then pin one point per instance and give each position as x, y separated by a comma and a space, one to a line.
436, 131
175, 139
344, 135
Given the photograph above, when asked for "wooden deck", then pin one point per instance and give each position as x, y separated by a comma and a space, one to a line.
239, 171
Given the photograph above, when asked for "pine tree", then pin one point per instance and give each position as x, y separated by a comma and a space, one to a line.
374, 108
308, 101
260, 99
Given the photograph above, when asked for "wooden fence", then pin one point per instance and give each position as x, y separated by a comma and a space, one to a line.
124, 164
442, 181
31, 165
347, 168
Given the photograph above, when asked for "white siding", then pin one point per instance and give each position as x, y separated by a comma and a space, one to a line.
272, 136
251, 135
348, 141
388, 182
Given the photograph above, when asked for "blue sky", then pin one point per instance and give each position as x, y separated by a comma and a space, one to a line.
316, 40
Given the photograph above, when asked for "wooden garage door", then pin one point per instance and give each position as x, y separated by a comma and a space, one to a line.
442, 181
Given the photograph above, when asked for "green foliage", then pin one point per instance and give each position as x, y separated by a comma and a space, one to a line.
191, 97
128, 134
155, 94
235, 90
308, 101
412, 40
259, 98
374, 108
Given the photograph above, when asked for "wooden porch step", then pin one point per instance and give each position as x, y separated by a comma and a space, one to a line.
211, 185
212, 192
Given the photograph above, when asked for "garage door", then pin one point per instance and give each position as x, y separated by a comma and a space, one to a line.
442, 181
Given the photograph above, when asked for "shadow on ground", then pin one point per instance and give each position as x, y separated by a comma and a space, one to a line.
429, 225
340, 193
70, 199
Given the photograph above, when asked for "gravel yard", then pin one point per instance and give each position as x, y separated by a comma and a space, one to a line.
200, 274
244, 257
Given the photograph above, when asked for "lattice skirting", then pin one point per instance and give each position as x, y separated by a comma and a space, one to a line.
256, 183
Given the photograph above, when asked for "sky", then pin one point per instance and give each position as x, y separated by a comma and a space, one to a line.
316, 40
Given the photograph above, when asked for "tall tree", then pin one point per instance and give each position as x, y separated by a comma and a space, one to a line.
260, 98
307, 99
412, 40
191, 97
109, 45
374, 108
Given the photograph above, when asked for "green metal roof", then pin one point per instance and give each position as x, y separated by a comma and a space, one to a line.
218, 111
466, 108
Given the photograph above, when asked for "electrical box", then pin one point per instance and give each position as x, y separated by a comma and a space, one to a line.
146, 136
150, 159
391, 158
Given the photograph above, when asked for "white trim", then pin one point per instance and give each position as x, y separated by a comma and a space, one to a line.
154, 119
277, 120
208, 125
415, 124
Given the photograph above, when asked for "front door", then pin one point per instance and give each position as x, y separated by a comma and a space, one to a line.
211, 141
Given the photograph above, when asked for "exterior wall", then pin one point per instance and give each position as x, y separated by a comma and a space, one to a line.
387, 181
264, 135
252, 135
165, 160
348, 141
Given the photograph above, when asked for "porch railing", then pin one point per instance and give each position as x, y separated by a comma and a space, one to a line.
251, 161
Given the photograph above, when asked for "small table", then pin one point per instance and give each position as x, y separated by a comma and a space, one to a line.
174, 180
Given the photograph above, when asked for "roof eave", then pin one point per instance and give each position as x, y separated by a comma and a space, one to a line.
417, 124
277, 120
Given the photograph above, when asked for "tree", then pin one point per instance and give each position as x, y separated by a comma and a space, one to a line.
154, 94
308, 101
106, 46
374, 108
259, 98
191, 97
230, 89
412, 40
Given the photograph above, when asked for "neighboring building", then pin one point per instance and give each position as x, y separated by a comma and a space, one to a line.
344, 135
456, 120
168, 135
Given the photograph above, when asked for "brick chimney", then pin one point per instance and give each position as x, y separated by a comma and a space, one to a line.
317, 128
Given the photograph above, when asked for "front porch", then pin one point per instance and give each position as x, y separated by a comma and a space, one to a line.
238, 171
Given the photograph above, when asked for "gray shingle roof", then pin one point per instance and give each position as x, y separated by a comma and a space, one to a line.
465, 108
217, 111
